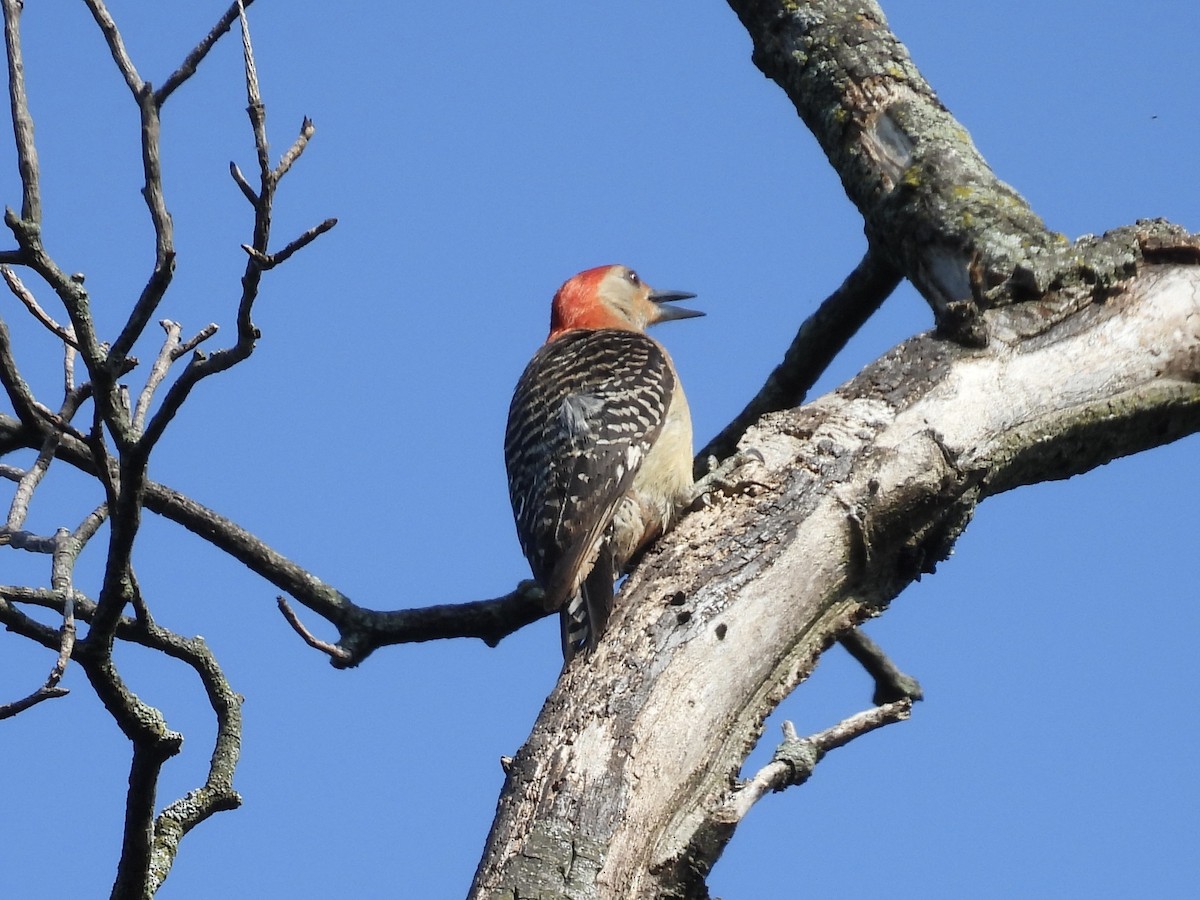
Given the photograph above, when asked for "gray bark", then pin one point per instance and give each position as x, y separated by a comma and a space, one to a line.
1050, 358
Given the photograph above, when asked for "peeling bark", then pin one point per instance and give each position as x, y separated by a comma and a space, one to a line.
619, 790
1050, 358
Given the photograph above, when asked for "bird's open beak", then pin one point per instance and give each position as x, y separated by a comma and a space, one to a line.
667, 313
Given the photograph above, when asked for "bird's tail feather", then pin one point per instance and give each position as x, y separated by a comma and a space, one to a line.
584, 618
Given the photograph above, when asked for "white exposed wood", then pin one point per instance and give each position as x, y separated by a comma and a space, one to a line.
637, 749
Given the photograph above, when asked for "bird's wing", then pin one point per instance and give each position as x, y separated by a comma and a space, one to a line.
585, 413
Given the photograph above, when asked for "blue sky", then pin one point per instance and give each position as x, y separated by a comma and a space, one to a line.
476, 157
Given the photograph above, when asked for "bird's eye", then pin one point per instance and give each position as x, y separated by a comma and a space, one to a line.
633, 277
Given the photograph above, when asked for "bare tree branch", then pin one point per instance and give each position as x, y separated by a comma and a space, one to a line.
891, 685
254, 104
19, 508
243, 184
27, 158
820, 339
66, 549
336, 653
22, 399
192, 62
907, 165
116, 45
158, 371
196, 340
271, 260
247, 332
796, 758
307, 130
23, 294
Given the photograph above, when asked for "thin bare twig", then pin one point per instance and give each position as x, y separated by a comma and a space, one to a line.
22, 293
8, 710
243, 184
254, 103
259, 261
116, 45
890, 683
271, 260
90, 525
70, 351
27, 158
19, 508
307, 130
193, 342
796, 758
192, 61
158, 371
63, 560
335, 652
25, 405
62, 567
164, 231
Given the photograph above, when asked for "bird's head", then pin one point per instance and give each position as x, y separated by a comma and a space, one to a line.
613, 297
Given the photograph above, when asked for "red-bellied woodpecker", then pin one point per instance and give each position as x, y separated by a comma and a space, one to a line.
598, 445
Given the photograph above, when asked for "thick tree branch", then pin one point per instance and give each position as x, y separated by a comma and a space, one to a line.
928, 198
867, 489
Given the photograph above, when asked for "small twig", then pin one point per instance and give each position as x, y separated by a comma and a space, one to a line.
796, 758
269, 261
242, 183
891, 684
27, 540
64, 553
19, 509
192, 343
254, 104
116, 45
90, 525
307, 130
22, 293
62, 566
8, 710
24, 404
164, 231
192, 61
332, 650
27, 158
69, 354
158, 371
141, 610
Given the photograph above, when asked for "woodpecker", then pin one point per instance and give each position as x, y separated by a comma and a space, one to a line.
598, 445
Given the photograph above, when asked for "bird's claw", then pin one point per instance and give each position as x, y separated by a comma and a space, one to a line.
732, 477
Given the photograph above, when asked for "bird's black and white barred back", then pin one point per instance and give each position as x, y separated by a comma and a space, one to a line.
585, 413
598, 445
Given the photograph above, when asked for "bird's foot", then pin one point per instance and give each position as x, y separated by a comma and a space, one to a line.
732, 477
